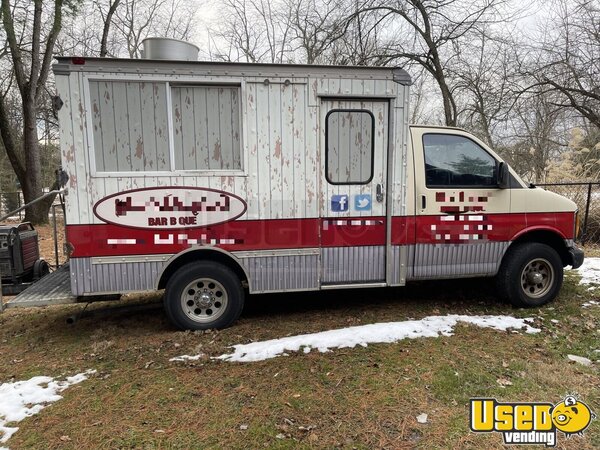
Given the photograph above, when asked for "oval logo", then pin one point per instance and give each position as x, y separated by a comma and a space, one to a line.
170, 207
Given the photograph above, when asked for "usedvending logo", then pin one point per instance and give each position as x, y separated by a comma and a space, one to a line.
170, 208
530, 423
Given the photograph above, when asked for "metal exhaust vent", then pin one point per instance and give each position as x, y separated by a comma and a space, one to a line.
165, 48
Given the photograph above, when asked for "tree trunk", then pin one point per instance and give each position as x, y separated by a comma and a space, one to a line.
449, 105
30, 79
106, 28
32, 186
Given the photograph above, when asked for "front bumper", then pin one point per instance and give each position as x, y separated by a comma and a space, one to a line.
575, 258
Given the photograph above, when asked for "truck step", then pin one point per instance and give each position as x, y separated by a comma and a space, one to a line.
53, 289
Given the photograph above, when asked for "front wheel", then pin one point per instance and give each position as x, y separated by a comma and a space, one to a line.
531, 275
203, 295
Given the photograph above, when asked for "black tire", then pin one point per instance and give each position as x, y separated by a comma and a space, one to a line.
40, 269
196, 292
531, 275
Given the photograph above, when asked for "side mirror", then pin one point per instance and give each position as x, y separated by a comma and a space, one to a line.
503, 176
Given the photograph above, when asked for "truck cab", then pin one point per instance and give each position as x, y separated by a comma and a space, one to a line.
476, 217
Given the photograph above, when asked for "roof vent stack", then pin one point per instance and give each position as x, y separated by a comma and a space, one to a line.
166, 48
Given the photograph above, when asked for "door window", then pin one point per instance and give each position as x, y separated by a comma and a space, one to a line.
457, 161
349, 146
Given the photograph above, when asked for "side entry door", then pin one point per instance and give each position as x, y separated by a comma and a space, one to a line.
461, 214
354, 143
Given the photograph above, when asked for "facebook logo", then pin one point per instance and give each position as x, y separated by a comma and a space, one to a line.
339, 203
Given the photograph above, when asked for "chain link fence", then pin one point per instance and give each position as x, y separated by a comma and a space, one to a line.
10, 201
587, 197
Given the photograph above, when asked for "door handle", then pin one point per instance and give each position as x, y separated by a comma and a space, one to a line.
379, 195
423, 202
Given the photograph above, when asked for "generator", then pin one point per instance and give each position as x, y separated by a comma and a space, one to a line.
20, 255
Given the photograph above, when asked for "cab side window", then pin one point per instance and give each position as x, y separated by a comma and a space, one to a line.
457, 161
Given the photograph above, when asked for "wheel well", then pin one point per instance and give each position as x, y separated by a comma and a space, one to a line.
549, 238
201, 255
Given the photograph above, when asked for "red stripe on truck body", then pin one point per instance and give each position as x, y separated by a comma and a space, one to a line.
247, 235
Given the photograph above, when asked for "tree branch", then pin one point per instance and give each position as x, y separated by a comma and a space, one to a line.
15, 49
50, 42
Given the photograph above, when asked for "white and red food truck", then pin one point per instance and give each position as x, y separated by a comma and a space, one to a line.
211, 180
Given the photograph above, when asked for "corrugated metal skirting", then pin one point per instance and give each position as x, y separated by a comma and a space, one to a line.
353, 264
267, 273
282, 273
456, 260
89, 278
396, 273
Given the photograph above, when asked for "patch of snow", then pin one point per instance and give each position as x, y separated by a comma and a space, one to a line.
580, 360
432, 326
184, 358
553, 320
22, 399
589, 271
590, 303
422, 418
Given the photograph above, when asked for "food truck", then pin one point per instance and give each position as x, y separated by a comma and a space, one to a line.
218, 180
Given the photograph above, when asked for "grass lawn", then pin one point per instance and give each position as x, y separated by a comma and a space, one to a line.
348, 398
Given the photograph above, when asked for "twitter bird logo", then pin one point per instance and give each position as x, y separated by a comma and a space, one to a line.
362, 202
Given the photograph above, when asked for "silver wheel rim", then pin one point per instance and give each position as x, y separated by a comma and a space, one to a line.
204, 300
537, 278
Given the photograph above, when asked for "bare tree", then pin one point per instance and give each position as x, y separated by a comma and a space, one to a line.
253, 31
276, 23
30, 47
538, 138
81, 32
427, 29
567, 61
421, 92
241, 35
315, 26
304, 31
361, 43
486, 78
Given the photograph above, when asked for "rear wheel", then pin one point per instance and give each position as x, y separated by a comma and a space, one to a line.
203, 295
531, 275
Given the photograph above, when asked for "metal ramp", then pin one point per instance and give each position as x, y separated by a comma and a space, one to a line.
53, 289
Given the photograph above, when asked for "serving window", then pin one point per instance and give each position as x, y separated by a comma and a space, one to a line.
206, 124
152, 126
